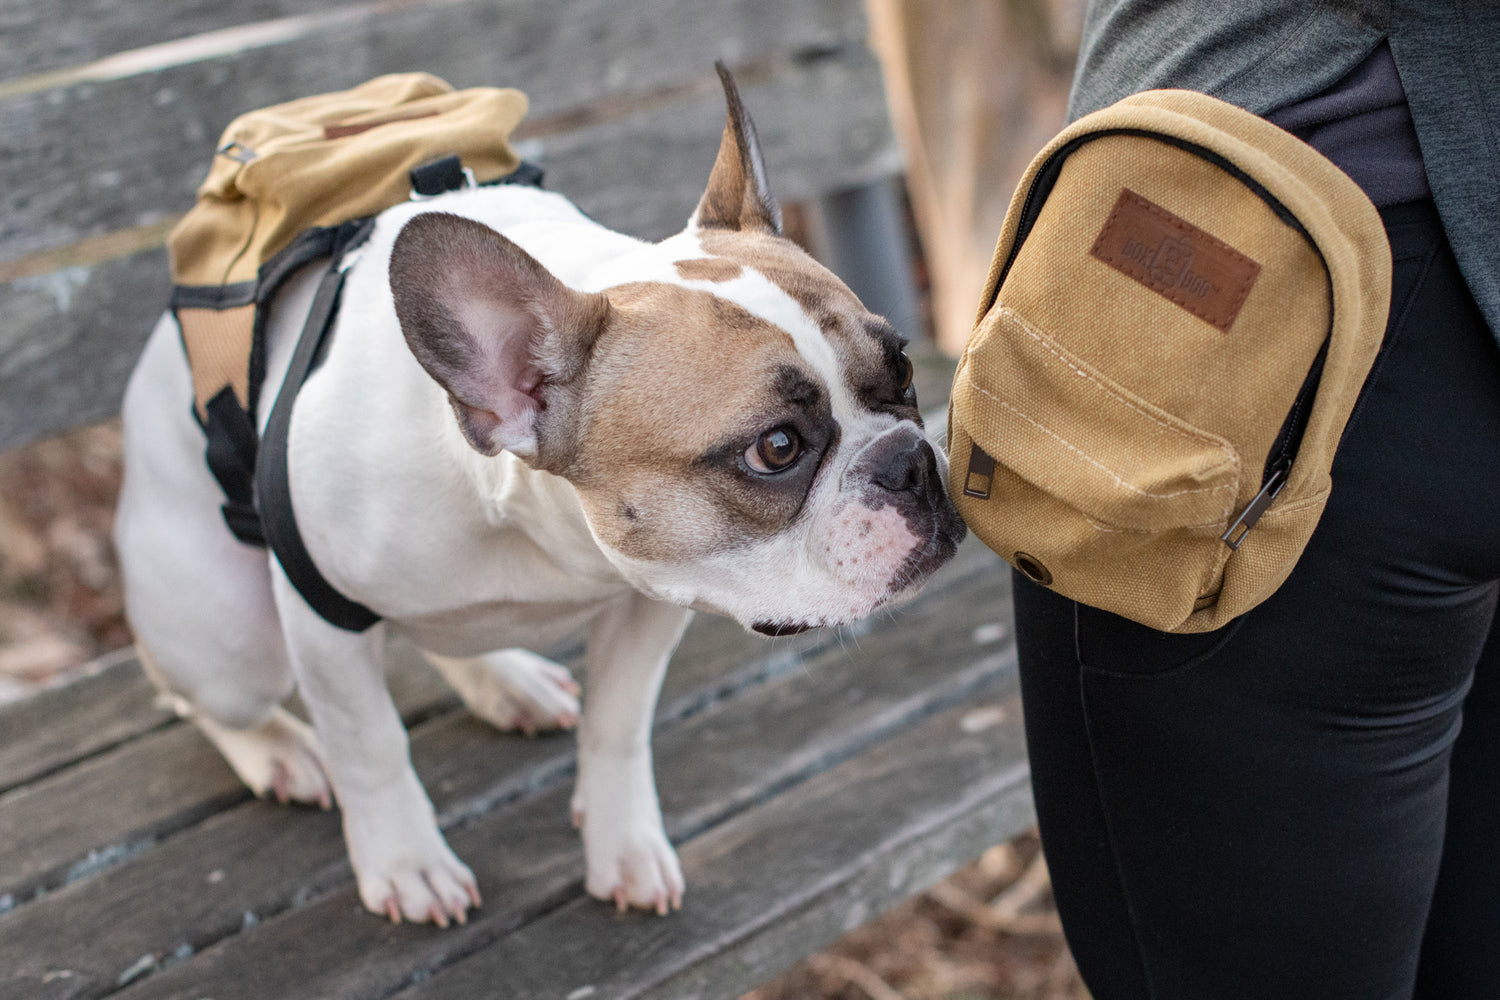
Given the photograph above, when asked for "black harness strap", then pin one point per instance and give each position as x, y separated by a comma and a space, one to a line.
272, 478
230, 427
230, 453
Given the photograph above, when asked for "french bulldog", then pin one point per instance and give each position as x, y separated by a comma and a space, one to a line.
528, 426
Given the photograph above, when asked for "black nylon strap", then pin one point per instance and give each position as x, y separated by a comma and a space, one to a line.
212, 296
438, 176
528, 174
312, 244
272, 480
230, 454
447, 174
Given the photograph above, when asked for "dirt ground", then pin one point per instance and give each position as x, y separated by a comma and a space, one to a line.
60, 602
987, 933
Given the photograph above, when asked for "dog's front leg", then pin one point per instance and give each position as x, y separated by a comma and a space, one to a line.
629, 859
401, 861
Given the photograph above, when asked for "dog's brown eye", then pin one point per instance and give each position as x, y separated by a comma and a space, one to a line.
904, 371
774, 451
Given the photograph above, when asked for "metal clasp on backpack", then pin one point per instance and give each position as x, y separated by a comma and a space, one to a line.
237, 151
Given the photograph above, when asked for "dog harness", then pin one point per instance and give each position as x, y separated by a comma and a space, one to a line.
254, 474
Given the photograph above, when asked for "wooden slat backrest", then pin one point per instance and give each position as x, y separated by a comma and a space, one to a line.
100, 157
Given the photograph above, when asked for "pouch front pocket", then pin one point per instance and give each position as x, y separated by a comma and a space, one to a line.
1095, 492
1070, 431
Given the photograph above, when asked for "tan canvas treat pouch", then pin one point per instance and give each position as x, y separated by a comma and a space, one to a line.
1183, 306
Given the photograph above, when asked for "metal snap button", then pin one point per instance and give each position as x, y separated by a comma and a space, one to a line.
1031, 567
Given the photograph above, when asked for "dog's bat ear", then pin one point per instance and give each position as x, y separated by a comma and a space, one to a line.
494, 327
738, 195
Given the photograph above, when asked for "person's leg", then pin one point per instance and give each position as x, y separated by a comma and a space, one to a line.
1259, 812
1070, 813
1461, 953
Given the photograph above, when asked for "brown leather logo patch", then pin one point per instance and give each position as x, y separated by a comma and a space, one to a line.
1174, 258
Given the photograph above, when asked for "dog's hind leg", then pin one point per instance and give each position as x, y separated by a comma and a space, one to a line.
278, 756
513, 689
199, 600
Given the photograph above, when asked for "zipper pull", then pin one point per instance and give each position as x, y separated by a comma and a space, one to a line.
1252, 513
981, 473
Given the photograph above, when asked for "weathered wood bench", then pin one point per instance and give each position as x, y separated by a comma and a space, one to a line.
809, 782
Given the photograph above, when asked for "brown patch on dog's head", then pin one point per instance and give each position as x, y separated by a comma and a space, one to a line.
708, 269
869, 348
690, 404
681, 385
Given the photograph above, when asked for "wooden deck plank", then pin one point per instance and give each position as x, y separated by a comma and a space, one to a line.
827, 856
63, 181
46, 38
83, 819
46, 835
103, 311
46, 733
641, 173
764, 738
114, 702
113, 805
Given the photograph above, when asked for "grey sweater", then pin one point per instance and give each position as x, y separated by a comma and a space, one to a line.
1264, 55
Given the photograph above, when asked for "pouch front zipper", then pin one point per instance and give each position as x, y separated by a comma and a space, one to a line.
1283, 450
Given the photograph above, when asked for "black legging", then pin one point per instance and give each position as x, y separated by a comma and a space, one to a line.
1264, 812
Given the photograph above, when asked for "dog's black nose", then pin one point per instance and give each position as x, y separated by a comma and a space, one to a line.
907, 467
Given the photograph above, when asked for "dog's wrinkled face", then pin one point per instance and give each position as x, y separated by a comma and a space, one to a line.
751, 443
743, 435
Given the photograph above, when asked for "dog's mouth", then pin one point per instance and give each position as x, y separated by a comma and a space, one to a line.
946, 529
782, 628
941, 546
943, 537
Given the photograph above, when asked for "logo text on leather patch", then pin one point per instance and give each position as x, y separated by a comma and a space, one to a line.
1174, 258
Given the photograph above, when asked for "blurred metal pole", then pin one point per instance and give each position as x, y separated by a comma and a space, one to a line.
862, 236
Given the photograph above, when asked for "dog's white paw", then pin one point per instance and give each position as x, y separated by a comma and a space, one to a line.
514, 690
279, 757
633, 867
629, 860
406, 871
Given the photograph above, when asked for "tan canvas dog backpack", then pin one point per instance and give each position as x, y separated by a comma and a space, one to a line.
290, 185
1183, 306
315, 162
